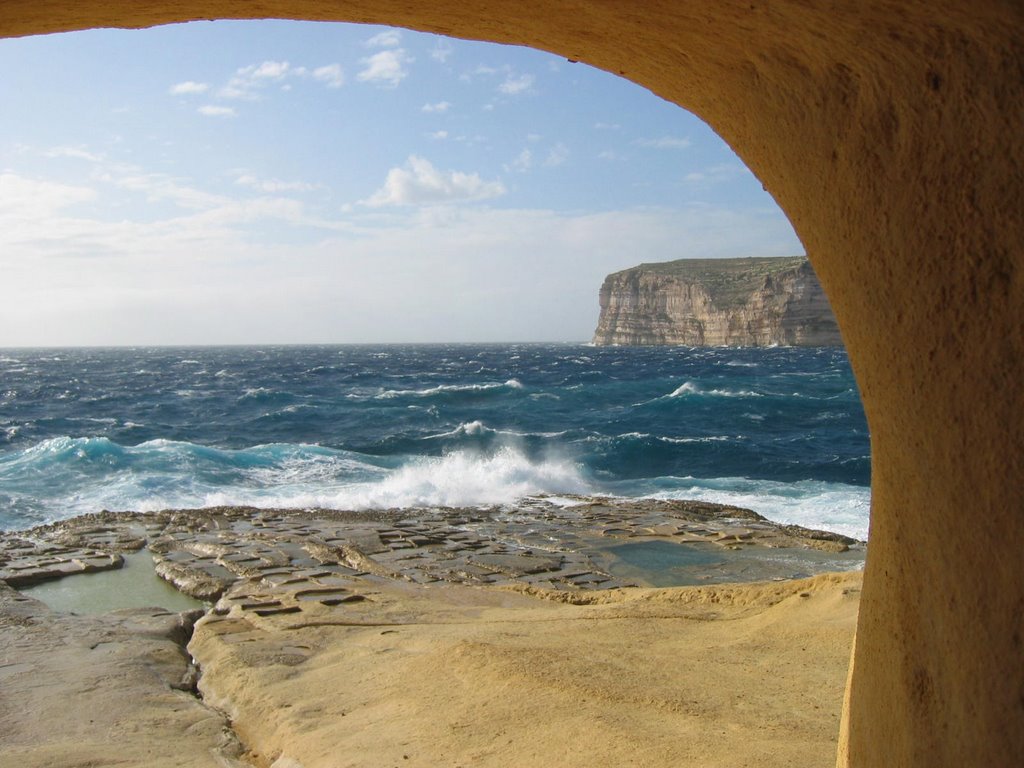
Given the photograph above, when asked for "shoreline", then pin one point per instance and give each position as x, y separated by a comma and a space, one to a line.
449, 636
199, 551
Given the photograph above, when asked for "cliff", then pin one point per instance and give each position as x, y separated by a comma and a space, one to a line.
717, 302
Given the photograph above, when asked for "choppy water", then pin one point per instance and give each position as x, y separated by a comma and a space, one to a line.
780, 431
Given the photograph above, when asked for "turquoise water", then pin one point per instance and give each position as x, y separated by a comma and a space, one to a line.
780, 431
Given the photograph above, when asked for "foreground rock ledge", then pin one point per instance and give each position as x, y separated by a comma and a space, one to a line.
420, 675
80, 691
458, 637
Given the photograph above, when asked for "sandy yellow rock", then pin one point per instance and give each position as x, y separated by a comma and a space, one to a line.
749, 675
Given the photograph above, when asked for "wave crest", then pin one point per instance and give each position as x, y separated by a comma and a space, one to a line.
90, 474
450, 389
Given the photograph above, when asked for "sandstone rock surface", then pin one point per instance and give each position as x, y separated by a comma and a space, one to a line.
755, 302
419, 675
103, 690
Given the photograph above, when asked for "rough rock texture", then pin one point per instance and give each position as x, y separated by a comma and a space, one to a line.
889, 132
383, 673
112, 690
717, 302
204, 553
484, 637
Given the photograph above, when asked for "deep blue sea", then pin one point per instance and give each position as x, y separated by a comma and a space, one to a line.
780, 431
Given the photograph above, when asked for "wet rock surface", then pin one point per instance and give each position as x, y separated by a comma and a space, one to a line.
562, 544
103, 690
24, 562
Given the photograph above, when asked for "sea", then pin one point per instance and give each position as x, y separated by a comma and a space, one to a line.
777, 430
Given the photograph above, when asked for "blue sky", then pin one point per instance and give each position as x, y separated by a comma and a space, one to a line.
287, 182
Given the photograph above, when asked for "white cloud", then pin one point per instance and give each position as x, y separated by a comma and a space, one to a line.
273, 185
23, 199
522, 162
330, 75
188, 87
442, 50
440, 106
557, 155
386, 68
516, 84
238, 89
160, 187
227, 270
664, 142
248, 80
607, 126
420, 183
717, 174
268, 70
607, 154
213, 110
389, 38
76, 153
482, 70
438, 135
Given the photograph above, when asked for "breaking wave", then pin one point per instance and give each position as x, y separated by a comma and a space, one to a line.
89, 474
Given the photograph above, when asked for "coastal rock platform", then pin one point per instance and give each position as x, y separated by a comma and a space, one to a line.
565, 544
116, 689
498, 636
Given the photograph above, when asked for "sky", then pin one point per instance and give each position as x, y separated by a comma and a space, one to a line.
296, 182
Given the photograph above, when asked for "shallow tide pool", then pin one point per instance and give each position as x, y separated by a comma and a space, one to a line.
659, 563
135, 585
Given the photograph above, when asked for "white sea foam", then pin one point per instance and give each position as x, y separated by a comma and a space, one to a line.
477, 428
389, 394
815, 504
692, 389
255, 392
467, 479
689, 388
458, 479
94, 473
707, 439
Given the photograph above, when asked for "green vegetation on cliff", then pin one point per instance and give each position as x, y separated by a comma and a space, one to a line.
729, 282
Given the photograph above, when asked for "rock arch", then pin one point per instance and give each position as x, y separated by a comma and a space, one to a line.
892, 134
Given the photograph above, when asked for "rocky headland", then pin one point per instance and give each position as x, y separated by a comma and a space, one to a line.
755, 302
501, 636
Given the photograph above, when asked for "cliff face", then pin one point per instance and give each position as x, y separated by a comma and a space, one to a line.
717, 302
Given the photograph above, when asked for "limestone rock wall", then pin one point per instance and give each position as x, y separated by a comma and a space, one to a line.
717, 302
